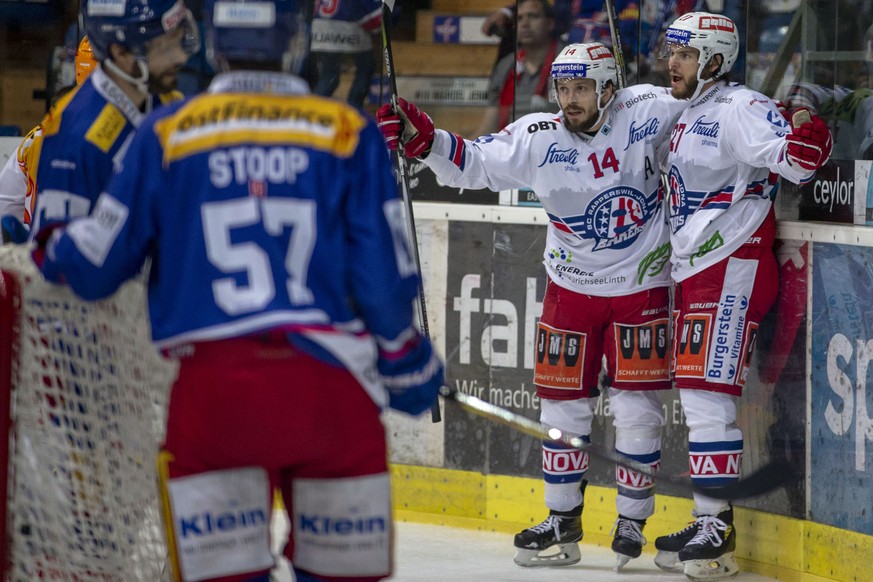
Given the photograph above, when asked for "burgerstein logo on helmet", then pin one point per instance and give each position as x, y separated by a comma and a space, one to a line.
569, 70
676, 36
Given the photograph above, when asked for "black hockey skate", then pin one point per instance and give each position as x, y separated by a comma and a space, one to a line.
562, 529
628, 541
710, 553
668, 548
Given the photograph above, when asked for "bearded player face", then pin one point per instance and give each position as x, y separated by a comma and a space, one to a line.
578, 101
683, 67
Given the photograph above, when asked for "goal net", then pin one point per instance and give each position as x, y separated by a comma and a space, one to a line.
82, 400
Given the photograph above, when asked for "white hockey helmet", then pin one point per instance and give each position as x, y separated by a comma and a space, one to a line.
583, 61
711, 34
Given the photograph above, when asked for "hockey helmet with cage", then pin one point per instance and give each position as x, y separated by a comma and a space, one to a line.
133, 23
710, 34
260, 31
85, 62
583, 61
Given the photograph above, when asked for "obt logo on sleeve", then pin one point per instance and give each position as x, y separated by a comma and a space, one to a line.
221, 522
342, 527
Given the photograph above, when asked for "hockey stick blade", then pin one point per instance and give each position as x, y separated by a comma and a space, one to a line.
772, 475
761, 481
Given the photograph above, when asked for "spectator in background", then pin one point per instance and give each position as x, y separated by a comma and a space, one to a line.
343, 30
519, 81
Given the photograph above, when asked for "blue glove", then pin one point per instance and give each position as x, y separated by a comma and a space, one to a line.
14, 230
412, 376
43, 251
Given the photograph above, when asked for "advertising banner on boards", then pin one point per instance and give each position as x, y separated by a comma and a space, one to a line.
495, 286
841, 428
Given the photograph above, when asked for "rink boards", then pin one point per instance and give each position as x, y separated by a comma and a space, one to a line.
806, 397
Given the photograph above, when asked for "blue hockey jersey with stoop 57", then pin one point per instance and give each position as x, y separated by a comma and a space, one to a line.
274, 184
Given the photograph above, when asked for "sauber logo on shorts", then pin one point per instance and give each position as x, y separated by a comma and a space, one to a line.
690, 357
322, 525
616, 217
716, 23
201, 524
559, 357
641, 352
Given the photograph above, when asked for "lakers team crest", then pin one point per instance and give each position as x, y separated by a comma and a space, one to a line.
617, 217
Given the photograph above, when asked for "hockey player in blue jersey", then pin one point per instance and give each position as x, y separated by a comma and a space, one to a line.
141, 45
282, 281
342, 30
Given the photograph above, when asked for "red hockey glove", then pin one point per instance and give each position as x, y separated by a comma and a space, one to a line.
782, 109
412, 375
43, 251
810, 141
407, 125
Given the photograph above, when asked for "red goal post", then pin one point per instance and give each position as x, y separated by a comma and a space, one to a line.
82, 405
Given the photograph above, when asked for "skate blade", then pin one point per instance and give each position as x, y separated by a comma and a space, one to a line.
669, 562
715, 569
566, 555
620, 561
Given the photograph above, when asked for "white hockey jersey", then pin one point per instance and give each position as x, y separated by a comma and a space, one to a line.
725, 153
607, 234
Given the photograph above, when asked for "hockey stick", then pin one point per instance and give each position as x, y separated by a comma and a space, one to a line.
761, 481
616, 43
402, 172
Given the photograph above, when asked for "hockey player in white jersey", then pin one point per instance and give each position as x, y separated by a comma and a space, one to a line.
726, 153
595, 168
